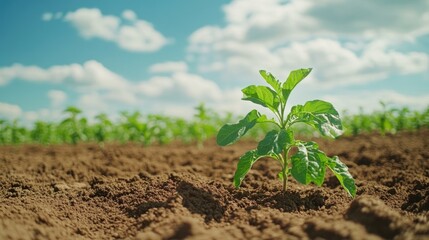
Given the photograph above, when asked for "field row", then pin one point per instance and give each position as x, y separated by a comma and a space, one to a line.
149, 129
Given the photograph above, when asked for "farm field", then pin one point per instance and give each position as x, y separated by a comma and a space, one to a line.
246, 120
178, 191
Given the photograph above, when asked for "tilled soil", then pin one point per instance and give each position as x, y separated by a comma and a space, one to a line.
182, 192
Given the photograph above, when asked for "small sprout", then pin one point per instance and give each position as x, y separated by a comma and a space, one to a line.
202, 126
308, 163
72, 125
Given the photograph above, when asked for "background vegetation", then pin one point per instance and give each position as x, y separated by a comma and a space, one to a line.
159, 129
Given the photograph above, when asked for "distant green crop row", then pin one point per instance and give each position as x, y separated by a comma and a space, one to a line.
132, 127
150, 129
386, 120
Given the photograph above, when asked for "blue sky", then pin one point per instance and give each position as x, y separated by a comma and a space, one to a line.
167, 56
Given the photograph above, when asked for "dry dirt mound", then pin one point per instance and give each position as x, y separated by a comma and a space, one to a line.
180, 192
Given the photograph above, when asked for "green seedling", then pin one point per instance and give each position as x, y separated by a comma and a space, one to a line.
72, 125
135, 129
308, 163
202, 126
102, 129
42, 132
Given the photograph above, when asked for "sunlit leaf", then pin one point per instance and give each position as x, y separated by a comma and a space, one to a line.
275, 142
230, 133
261, 95
320, 115
244, 165
309, 164
293, 79
271, 80
342, 173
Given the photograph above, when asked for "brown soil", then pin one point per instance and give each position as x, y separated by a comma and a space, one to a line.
182, 192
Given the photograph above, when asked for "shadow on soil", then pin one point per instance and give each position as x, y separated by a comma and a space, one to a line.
143, 208
286, 201
199, 201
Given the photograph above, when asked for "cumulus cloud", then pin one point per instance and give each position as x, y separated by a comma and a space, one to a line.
181, 85
90, 74
136, 36
345, 43
297, 19
93, 103
129, 15
336, 65
96, 85
155, 86
9, 111
373, 19
48, 16
57, 97
168, 67
178, 91
369, 100
102, 90
178, 94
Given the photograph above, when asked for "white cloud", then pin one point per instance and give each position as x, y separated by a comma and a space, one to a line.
369, 100
88, 79
126, 96
57, 97
92, 103
345, 43
136, 36
47, 16
178, 92
92, 23
129, 15
141, 37
91, 74
265, 20
183, 105
27, 118
336, 65
168, 67
31, 116
197, 87
155, 86
102, 90
9, 111
58, 15
373, 19
181, 85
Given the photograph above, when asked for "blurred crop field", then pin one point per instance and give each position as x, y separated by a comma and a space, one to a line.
160, 129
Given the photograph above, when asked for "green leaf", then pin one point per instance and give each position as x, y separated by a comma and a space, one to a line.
293, 79
73, 110
270, 79
309, 164
244, 165
341, 171
318, 114
280, 175
261, 95
274, 142
230, 133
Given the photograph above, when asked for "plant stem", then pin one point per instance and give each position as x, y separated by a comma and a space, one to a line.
286, 150
285, 169
284, 180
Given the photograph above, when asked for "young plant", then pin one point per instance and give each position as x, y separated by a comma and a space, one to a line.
308, 164
72, 125
102, 129
202, 126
